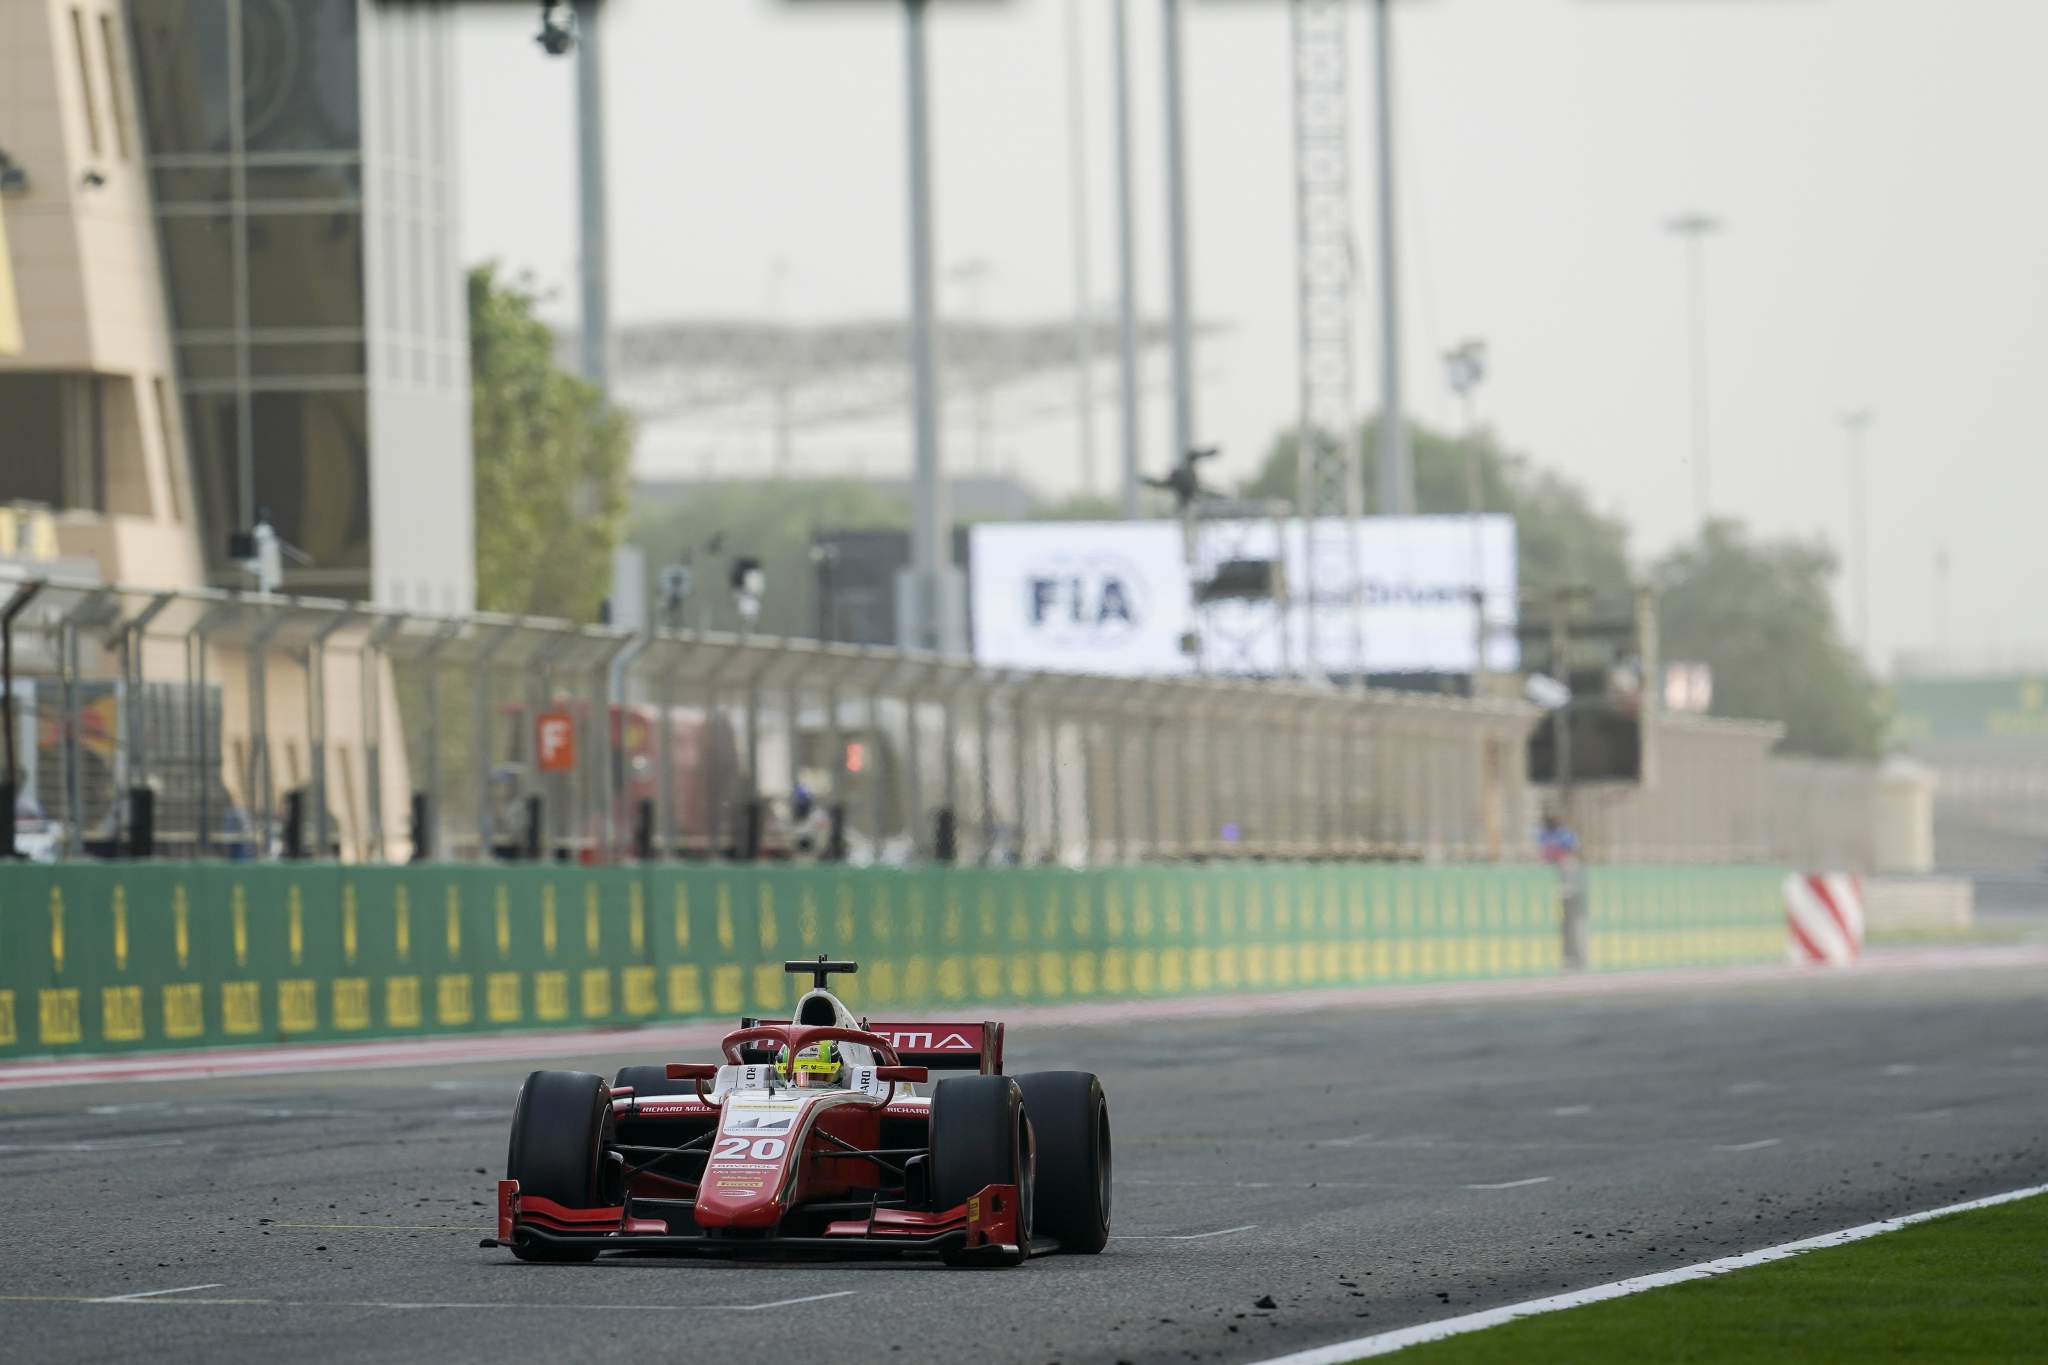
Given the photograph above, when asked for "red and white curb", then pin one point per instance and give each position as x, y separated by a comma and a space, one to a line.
1386, 1343
659, 1041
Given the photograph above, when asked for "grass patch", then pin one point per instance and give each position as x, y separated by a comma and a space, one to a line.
1972, 1286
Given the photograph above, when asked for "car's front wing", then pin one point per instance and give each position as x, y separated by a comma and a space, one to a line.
987, 1220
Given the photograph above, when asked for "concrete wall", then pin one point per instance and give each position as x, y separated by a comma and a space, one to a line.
89, 289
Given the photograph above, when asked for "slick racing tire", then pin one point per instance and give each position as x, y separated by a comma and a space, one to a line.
557, 1143
645, 1081
1070, 1123
980, 1137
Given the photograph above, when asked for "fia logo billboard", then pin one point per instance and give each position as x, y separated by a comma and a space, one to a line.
1090, 597
1086, 603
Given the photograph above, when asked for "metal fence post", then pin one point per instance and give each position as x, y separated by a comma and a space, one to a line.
1149, 789
878, 793
914, 757
431, 662
1053, 724
1103, 717
1020, 765
259, 778
195, 677
10, 784
486, 650
608, 727
372, 684
133, 637
1349, 818
984, 725
68, 626
1266, 743
316, 720
949, 742
712, 745
665, 780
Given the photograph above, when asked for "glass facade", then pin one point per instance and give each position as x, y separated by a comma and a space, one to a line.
253, 120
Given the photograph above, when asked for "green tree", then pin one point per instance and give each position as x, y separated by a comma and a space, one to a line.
1760, 614
552, 458
1562, 539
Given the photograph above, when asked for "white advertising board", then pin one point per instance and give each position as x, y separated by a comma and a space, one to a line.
1113, 597
1080, 596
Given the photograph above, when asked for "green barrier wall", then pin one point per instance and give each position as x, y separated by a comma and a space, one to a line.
116, 957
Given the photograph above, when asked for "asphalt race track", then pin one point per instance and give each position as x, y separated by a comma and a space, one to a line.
1365, 1168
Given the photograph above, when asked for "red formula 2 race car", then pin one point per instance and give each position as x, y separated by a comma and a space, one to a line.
815, 1136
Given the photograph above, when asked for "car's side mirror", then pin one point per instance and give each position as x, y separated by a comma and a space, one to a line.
906, 1075
693, 1071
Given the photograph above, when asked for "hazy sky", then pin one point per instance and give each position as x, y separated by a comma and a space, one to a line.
1877, 162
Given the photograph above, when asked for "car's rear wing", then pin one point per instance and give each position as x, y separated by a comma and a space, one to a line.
937, 1047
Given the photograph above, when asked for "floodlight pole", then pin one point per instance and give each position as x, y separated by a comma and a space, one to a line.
1084, 329
928, 512
596, 320
1126, 265
1396, 461
1177, 232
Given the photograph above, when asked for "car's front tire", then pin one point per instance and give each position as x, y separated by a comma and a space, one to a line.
556, 1149
1070, 1122
980, 1137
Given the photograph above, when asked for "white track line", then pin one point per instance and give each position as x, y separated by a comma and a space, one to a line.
1178, 1236
784, 1303
1385, 1343
154, 1293
1513, 1184
112, 1145
1756, 1146
151, 1299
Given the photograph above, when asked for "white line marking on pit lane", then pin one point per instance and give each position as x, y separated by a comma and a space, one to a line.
153, 1293
1178, 1236
1756, 1146
1512, 1184
1354, 1140
1570, 1111
1385, 1343
1900, 1069
1748, 1087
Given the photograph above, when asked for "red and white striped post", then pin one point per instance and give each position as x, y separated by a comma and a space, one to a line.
1824, 917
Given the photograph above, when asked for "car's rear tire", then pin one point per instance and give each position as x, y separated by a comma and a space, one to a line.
1070, 1124
645, 1081
557, 1147
980, 1137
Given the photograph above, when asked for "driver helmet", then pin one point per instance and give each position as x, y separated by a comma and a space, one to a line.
813, 1067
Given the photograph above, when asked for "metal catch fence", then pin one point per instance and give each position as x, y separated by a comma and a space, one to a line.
221, 724
209, 723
